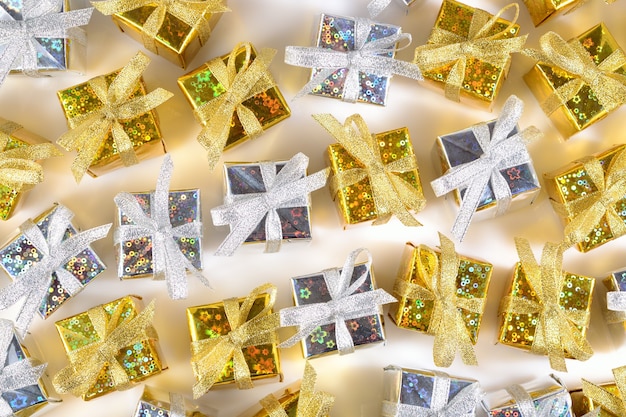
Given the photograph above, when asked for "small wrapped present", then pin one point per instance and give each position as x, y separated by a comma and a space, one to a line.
112, 120
546, 310
267, 202
542, 10
488, 167
159, 234
443, 294
420, 392
49, 39
352, 60
543, 397
49, 262
374, 176
110, 347
469, 52
234, 97
588, 195
615, 284
158, 403
580, 81
234, 341
175, 30
604, 400
337, 310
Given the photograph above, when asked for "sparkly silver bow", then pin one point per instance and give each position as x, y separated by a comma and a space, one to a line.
168, 261
500, 151
548, 407
344, 305
376, 7
34, 282
40, 19
368, 57
244, 212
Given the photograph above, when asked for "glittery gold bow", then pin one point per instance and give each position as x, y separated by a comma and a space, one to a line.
210, 356
446, 323
445, 47
605, 399
311, 403
192, 12
391, 194
91, 129
241, 84
87, 362
557, 333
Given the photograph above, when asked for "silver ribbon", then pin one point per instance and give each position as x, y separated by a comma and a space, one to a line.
499, 152
376, 7
34, 283
344, 305
616, 307
368, 57
40, 19
169, 263
177, 405
20, 374
244, 212
548, 407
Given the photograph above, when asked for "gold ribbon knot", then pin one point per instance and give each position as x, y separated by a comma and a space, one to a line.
606, 399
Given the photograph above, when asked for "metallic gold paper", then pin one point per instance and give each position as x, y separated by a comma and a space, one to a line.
542, 10
581, 404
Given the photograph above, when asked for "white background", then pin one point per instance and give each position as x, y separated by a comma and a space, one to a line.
355, 379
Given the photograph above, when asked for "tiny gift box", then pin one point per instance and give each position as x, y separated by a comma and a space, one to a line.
607, 397
155, 402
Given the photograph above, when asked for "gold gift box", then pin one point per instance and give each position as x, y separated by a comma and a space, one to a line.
287, 398
355, 202
581, 404
143, 130
140, 361
542, 10
155, 402
584, 109
572, 182
472, 282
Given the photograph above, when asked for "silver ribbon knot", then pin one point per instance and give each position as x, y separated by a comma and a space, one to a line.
243, 212
548, 407
500, 151
367, 57
344, 305
169, 263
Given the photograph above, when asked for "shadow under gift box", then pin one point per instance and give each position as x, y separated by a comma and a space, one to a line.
155, 402
581, 404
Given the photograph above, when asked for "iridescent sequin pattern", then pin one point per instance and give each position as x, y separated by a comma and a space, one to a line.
245, 179
20, 254
210, 321
135, 256
548, 397
173, 33
356, 202
518, 330
140, 360
312, 289
337, 33
417, 388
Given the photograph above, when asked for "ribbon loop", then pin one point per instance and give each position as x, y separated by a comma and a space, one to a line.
604, 399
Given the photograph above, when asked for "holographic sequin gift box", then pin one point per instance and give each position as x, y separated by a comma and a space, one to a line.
155, 402
134, 257
139, 361
355, 202
19, 254
583, 109
545, 394
542, 10
472, 282
616, 282
581, 404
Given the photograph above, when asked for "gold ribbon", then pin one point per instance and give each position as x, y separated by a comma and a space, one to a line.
446, 322
241, 84
557, 332
445, 47
605, 399
91, 129
87, 362
391, 194
210, 356
191, 12
311, 403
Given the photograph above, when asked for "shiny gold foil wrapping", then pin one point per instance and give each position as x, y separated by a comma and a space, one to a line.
581, 404
288, 401
542, 10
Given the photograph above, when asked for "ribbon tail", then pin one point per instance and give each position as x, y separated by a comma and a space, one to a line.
345, 343
7, 59
469, 204
375, 7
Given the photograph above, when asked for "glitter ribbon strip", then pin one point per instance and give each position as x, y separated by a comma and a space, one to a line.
168, 261
500, 151
557, 332
33, 284
177, 405
367, 57
607, 400
447, 320
239, 85
375, 7
345, 304
462, 405
243, 212
311, 403
548, 407
40, 19
210, 356
91, 129
446, 48
87, 362
391, 194
191, 12
17, 375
